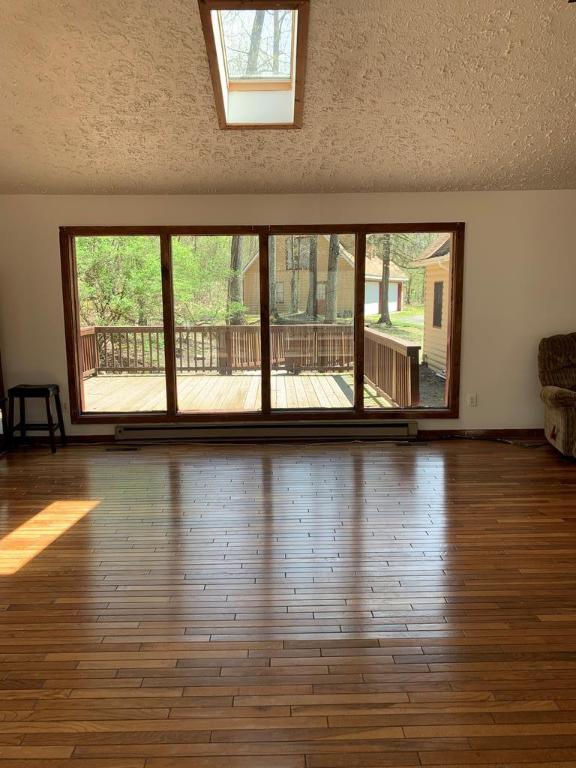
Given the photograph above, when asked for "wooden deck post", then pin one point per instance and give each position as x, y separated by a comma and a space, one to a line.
413, 356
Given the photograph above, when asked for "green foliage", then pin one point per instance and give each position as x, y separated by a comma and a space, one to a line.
201, 268
119, 279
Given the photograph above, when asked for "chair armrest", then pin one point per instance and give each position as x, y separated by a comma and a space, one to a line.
558, 397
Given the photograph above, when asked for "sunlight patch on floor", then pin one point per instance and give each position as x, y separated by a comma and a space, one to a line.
36, 534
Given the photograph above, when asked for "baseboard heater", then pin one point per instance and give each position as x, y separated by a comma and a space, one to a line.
280, 431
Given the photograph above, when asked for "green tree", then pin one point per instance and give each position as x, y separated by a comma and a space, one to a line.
119, 280
201, 271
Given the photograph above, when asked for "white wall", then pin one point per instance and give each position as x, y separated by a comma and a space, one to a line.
519, 281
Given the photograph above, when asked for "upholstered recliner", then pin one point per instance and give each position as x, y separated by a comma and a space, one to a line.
557, 369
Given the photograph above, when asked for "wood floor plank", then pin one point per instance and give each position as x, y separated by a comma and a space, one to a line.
322, 606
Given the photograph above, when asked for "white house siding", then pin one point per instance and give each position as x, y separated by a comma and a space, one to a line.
436, 339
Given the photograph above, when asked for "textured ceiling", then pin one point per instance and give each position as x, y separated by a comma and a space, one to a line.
115, 96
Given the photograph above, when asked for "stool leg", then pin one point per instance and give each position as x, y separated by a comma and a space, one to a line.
50, 424
23, 419
10, 426
60, 418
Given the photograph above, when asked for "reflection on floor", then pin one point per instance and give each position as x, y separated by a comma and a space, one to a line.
206, 392
289, 606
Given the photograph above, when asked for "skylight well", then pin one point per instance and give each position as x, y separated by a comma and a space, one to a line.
256, 52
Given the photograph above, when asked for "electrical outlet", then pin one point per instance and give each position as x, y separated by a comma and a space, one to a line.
472, 400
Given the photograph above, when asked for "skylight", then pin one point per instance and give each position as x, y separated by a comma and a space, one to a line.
256, 51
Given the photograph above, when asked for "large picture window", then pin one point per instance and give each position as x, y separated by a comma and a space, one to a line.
188, 323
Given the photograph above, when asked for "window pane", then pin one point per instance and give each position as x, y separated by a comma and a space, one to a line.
122, 330
437, 307
257, 44
312, 321
406, 335
217, 318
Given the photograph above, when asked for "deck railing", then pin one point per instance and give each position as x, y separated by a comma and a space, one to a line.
88, 352
322, 348
391, 365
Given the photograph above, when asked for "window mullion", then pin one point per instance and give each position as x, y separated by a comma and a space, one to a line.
169, 324
265, 324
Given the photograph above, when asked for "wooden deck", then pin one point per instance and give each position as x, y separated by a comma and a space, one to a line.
391, 364
213, 393
358, 606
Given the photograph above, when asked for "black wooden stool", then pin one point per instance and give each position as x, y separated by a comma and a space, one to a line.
45, 391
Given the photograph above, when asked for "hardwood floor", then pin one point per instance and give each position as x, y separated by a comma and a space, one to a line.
212, 393
326, 606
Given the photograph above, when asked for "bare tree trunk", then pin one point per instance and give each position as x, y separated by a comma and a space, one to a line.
385, 247
141, 312
312, 305
409, 289
294, 292
294, 277
332, 279
235, 306
272, 276
279, 18
255, 42
276, 48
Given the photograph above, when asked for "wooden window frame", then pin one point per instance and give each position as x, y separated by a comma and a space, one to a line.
299, 64
172, 415
260, 85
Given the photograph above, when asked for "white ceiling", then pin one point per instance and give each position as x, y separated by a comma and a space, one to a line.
115, 96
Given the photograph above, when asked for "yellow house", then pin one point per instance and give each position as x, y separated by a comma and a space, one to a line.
292, 275
436, 262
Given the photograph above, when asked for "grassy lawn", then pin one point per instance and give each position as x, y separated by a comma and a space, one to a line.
407, 325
